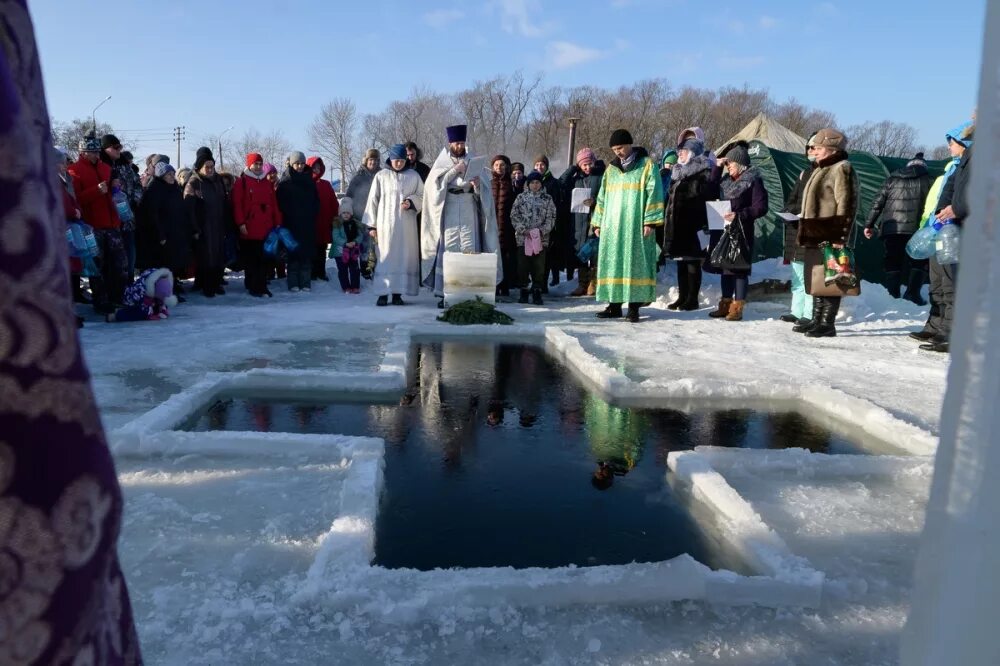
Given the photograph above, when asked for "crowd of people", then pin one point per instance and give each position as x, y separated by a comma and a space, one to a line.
611, 225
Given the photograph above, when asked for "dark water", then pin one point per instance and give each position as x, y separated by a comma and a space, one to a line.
496, 456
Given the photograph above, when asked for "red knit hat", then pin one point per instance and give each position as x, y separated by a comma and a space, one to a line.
253, 158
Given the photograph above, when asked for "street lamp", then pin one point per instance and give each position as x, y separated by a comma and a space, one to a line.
221, 164
93, 114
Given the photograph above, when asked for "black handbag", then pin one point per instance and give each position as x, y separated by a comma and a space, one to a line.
732, 253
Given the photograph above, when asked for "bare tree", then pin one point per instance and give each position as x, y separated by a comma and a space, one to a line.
496, 110
801, 119
940, 153
67, 135
420, 118
334, 132
885, 138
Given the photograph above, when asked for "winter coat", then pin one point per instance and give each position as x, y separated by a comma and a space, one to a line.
71, 209
329, 206
503, 199
359, 187
162, 217
344, 231
299, 206
955, 192
747, 198
562, 235
897, 208
831, 191
793, 251
533, 210
97, 209
255, 206
572, 179
686, 215
208, 210
130, 185
422, 169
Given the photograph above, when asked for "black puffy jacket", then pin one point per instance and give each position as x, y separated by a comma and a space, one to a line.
900, 203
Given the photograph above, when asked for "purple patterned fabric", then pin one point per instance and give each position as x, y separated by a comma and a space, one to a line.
62, 596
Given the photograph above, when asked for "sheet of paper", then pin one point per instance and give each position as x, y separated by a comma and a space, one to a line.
705, 239
578, 196
716, 212
474, 167
789, 217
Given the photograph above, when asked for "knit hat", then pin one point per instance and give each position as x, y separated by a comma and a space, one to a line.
90, 144
162, 169
502, 158
253, 158
669, 157
516, 166
372, 154
397, 152
269, 169
829, 138
585, 155
541, 158
110, 141
739, 155
694, 146
296, 156
534, 175
918, 160
456, 133
620, 137
346, 204
203, 155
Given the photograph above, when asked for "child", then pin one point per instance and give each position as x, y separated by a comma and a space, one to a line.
148, 297
345, 248
533, 216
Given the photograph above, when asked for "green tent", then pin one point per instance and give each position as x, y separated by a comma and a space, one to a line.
780, 171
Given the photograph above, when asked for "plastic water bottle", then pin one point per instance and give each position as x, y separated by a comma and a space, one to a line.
121, 203
922, 244
946, 243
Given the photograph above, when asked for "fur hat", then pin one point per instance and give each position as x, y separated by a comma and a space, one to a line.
160, 284
620, 137
829, 138
253, 158
585, 155
89, 144
516, 166
457, 133
203, 155
739, 154
397, 152
162, 169
373, 154
694, 146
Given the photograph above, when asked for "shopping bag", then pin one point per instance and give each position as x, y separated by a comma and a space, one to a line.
838, 265
815, 277
287, 239
588, 251
271, 243
732, 253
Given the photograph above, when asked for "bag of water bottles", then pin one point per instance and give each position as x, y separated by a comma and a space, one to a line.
922, 244
947, 242
279, 236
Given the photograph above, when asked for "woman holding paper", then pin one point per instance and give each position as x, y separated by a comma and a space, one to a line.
743, 188
691, 186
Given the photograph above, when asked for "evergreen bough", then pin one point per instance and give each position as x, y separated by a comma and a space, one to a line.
475, 312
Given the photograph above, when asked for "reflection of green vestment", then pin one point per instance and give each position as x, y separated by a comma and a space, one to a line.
616, 434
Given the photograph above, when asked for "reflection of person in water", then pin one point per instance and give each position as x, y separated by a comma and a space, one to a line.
501, 375
528, 375
616, 439
794, 430
261, 413
218, 415
729, 428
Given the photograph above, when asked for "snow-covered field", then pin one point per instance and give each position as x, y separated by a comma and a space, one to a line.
218, 547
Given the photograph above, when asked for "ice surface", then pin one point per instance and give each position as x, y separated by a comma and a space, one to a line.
859, 530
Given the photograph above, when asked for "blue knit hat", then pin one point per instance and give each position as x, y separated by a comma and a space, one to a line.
397, 152
534, 175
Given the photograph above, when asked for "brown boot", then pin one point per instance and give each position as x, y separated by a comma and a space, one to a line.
723, 308
735, 311
592, 287
584, 281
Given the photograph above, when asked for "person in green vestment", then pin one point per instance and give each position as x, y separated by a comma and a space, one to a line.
629, 208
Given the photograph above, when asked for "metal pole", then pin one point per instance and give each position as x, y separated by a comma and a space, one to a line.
221, 164
93, 114
572, 141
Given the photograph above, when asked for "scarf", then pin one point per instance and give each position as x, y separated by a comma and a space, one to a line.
250, 174
693, 166
731, 189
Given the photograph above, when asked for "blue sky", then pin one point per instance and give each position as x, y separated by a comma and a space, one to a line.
208, 64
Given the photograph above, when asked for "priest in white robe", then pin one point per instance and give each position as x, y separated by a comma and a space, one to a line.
395, 199
459, 215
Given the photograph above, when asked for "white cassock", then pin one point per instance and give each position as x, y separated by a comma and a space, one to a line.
457, 218
398, 267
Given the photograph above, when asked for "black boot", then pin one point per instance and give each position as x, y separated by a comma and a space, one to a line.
938, 344
555, 278
825, 328
536, 297
790, 318
633, 313
807, 325
382, 300
441, 304
613, 311
397, 299
683, 288
693, 288
914, 283
524, 296
892, 280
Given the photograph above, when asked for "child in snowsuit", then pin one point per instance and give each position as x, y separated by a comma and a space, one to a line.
533, 217
148, 298
346, 248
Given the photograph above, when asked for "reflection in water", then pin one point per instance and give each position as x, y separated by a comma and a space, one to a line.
493, 455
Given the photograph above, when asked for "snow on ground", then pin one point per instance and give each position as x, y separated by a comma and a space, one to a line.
216, 547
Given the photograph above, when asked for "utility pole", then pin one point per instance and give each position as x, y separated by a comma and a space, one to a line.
178, 135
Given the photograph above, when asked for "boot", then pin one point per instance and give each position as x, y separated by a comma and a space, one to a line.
683, 289
397, 299
584, 282
693, 290
536, 297
806, 325
555, 278
524, 296
613, 311
892, 280
735, 311
922, 336
790, 318
633, 313
592, 287
382, 300
937, 344
825, 328
914, 283
723, 308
